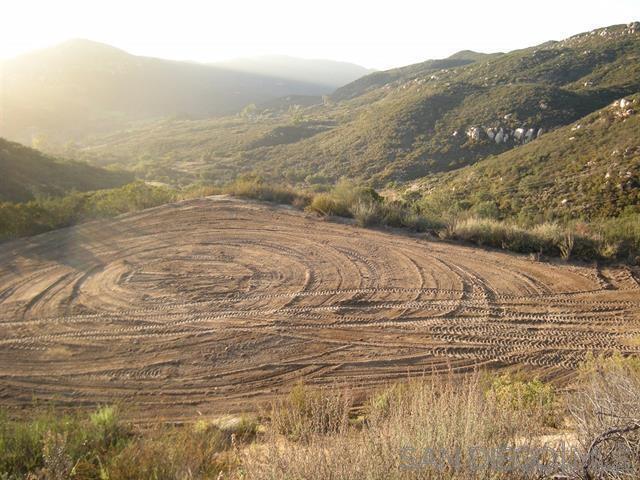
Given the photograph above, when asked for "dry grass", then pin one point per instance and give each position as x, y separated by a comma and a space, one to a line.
432, 428
608, 400
477, 426
547, 238
307, 412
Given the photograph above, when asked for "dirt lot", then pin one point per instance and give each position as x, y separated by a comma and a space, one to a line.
214, 305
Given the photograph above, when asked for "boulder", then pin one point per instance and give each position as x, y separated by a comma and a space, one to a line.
490, 133
475, 133
530, 135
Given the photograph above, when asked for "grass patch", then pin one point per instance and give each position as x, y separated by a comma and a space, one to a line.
547, 238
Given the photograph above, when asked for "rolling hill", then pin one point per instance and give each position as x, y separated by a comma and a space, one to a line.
26, 173
82, 87
403, 124
419, 125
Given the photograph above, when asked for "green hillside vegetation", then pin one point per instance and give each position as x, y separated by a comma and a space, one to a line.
398, 125
378, 79
587, 170
42, 215
26, 174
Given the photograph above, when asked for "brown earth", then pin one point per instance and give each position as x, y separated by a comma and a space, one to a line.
215, 305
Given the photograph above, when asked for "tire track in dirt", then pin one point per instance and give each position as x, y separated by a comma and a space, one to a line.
218, 305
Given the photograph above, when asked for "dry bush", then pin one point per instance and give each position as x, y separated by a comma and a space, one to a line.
547, 238
307, 411
366, 213
566, 246
606, 408
57, 462
256, 188
433, 428
528, 396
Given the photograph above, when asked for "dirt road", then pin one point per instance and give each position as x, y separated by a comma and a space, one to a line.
213, 305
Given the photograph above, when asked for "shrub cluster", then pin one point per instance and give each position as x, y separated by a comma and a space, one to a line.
613, 238
37, 216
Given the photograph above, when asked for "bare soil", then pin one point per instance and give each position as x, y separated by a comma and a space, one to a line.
218, 305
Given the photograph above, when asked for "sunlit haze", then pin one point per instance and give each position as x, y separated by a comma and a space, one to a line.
373, 34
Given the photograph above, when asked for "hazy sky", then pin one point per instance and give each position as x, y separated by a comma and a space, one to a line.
376, 34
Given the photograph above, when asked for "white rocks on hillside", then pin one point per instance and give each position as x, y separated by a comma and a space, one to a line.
623, 108
475, 133
501, 135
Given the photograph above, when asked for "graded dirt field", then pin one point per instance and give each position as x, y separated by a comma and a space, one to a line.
216, 305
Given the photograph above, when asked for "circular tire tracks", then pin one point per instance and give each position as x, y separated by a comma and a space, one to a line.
214, 305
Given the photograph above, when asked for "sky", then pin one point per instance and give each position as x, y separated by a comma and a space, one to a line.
375, 34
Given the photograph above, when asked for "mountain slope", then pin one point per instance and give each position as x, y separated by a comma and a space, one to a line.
411, 123
82, 87
437, 122
409, 72
590, 169
26, 173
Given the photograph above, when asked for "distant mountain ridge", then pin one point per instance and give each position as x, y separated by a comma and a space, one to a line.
82, 87
331, 73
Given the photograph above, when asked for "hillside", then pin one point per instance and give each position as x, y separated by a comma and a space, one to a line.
26, 173
402, 124
439, 122
590, 169
409, 72
82, 87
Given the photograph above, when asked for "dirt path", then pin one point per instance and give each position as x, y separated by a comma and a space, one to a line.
212, 305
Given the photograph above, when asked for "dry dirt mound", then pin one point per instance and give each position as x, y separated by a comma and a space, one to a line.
211, 305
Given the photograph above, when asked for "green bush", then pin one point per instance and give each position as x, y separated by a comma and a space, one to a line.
37, 216
53, 445
325, 204
531, 396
